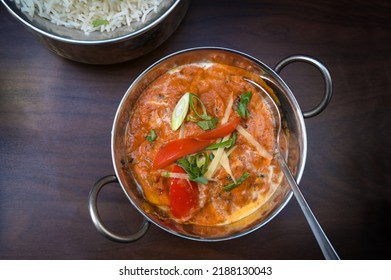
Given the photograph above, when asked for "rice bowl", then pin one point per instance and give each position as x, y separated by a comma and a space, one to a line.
90, 15
110, 41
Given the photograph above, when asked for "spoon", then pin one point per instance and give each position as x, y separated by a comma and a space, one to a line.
324, 244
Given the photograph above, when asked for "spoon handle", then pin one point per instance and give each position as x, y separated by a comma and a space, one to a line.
324, 244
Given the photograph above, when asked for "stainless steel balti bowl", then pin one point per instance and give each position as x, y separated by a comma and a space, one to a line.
296, 156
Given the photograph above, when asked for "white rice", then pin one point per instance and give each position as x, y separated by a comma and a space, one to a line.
81, 14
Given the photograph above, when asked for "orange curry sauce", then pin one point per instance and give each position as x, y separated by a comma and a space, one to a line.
215, 84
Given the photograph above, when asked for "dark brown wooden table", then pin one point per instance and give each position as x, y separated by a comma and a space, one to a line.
56, 117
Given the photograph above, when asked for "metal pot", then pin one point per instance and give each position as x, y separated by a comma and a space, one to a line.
122, 44
293, 118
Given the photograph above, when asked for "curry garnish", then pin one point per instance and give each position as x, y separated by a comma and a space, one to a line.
238, 182
151, 137
180, 111
226, 144
195, 166
243, 102
205, 121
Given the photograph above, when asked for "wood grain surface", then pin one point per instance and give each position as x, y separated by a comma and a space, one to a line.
56, 117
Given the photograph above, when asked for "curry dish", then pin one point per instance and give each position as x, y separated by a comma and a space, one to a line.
200, 144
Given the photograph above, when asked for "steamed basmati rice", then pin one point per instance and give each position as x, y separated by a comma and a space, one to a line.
90, 15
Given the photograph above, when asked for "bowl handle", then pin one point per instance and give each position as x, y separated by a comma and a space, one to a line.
326, 76
96, 219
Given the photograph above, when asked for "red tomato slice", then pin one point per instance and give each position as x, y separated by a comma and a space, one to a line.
183, 196
220, 131
177, 149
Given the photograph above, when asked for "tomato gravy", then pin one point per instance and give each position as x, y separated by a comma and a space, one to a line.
219, 87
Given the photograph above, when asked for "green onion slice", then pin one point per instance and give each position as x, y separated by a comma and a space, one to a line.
204, 115
238, 182
225, 144
180, 111
202, 119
